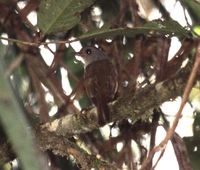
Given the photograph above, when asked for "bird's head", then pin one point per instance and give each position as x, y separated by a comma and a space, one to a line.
90, 54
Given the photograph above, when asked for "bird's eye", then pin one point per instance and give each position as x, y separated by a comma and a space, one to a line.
88, 51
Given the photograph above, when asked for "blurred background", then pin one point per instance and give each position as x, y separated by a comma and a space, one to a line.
149, 42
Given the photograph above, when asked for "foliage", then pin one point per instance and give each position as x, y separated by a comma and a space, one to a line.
49, 102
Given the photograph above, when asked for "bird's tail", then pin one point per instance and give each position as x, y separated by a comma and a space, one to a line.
103, 112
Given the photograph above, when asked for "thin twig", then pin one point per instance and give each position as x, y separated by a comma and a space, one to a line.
39, 43
160, 156
19, 41
14, 65
185, 96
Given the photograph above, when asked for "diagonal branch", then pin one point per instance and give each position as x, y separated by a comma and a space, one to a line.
59, 145
139, 105
190, 82
134, 106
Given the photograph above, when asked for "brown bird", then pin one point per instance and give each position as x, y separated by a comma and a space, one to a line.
100, 80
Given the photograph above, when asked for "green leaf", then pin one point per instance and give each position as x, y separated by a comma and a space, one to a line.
170, 28
193, 7
195, 96
196, 29
15, 123
60, 15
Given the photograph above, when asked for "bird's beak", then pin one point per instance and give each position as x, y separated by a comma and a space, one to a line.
78, 53
78, 56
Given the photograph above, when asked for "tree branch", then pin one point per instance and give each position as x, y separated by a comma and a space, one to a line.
134, 106
59, 145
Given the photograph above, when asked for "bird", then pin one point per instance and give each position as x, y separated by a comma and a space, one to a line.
100, 80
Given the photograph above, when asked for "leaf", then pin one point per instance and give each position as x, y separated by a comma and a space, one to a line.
193, 7
195, 96
60, 15
167, 28
15, 123
196, 29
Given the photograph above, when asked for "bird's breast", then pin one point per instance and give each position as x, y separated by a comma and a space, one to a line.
101, 78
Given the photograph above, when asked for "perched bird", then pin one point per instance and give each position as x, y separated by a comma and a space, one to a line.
100, 80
